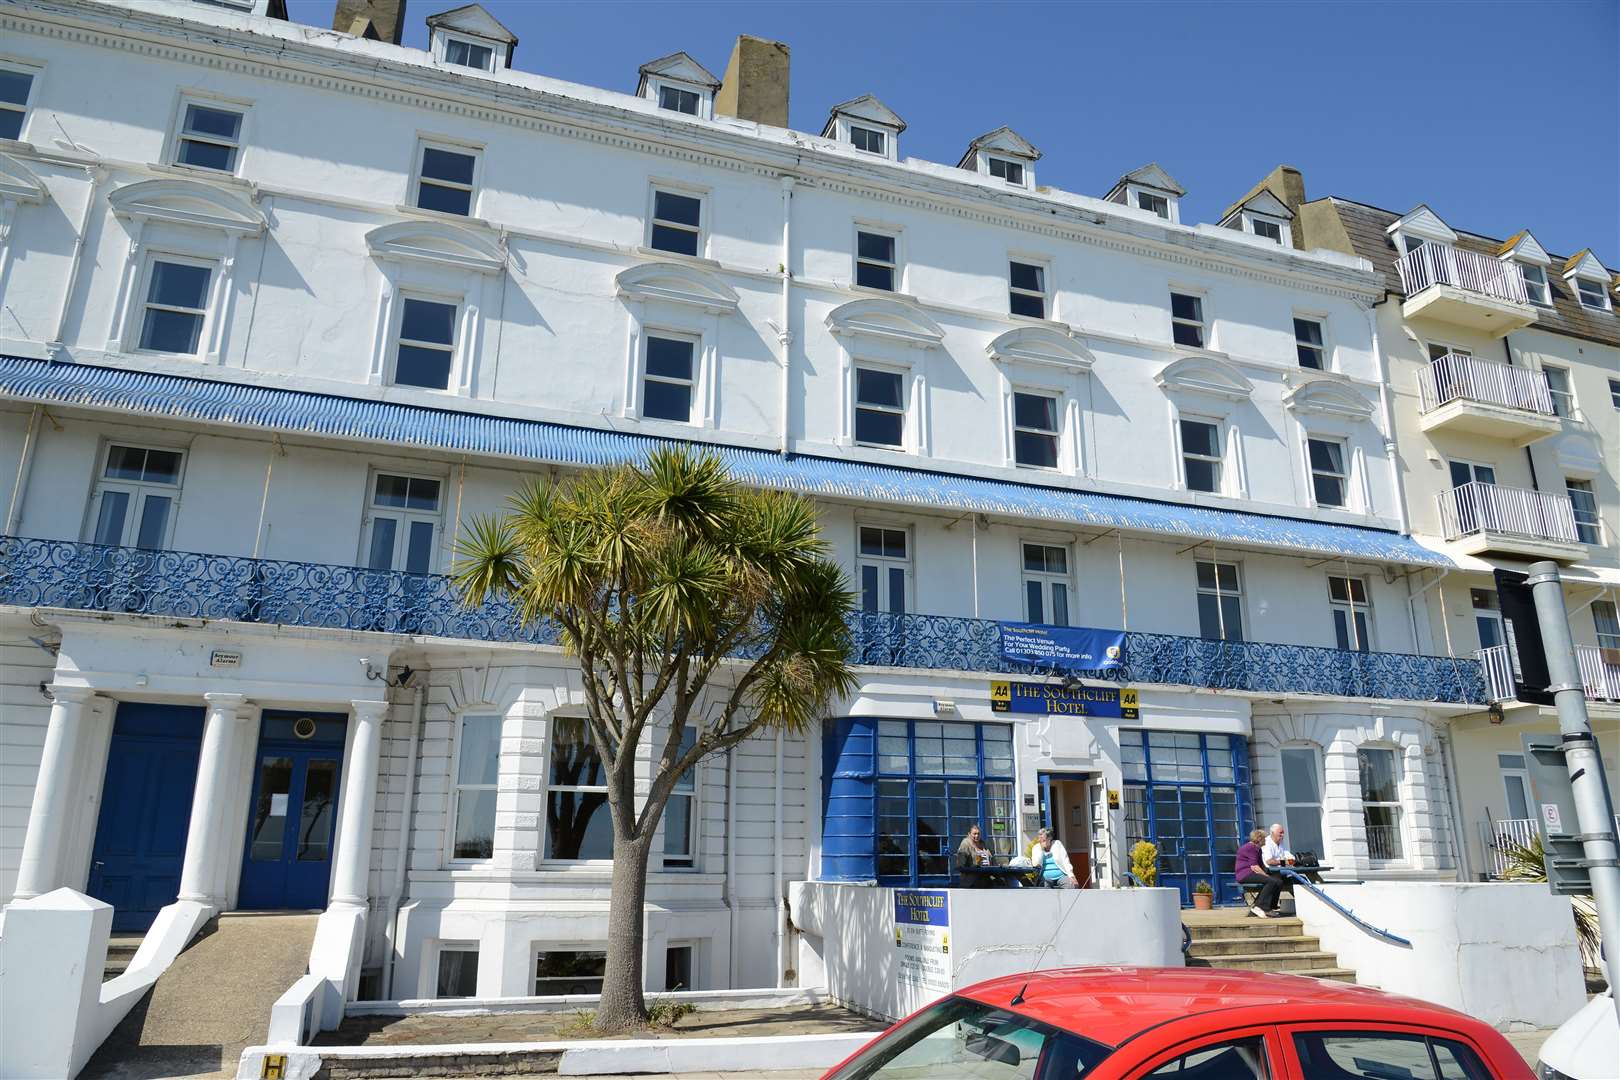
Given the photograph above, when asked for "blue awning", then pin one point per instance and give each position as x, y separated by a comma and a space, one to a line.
391, 423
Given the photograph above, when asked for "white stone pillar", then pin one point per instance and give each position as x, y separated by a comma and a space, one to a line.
40, 868
350, 877
205, 836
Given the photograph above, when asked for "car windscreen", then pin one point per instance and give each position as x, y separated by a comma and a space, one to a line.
958, 1037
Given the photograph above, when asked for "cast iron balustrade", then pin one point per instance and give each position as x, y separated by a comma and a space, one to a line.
1454, 377
186, 585
1442, 264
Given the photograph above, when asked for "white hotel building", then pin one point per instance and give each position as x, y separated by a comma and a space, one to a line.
280, 307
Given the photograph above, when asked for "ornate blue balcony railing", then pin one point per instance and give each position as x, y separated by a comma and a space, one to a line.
186, 585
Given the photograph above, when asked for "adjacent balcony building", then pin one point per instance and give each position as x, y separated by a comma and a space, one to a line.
1599, 667
1463, 288
1465, 395
1487, 519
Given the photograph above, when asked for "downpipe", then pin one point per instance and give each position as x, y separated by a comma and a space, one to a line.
402, 856
25, 469
778, 899
730, 894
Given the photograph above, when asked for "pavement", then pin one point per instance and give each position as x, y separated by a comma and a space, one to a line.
427, 1029
213, 1002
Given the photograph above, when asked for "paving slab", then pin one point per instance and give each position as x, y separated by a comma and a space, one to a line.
430, 1030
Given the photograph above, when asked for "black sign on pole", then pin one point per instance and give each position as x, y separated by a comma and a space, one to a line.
1530, 677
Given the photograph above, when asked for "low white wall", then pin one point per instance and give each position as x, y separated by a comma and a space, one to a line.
849, 937
1502, 952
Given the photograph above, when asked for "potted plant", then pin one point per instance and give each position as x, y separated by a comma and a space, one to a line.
1203, 896
1145, 863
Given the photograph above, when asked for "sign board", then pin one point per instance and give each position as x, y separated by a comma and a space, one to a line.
1113, 799
225, 658
1067, 648
922, 939
274, 1067
1050, 699
1554, 799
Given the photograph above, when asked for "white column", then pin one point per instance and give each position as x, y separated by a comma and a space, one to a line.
40, 869
350, 875
205, 836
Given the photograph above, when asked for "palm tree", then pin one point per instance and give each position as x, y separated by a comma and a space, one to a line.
686, 599
1528, 862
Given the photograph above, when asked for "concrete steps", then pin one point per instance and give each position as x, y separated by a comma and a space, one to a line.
120, 951
1234, 940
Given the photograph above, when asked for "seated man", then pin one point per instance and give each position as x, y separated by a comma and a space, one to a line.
1249, 870
1273, 853
1051, 861
970, 855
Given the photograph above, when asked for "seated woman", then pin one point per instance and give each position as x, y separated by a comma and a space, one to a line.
970, 855
1249, 869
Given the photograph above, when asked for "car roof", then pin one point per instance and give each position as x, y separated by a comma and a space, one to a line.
1112, 1005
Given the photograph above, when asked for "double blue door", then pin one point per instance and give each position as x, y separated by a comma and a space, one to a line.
287, 860
145, 810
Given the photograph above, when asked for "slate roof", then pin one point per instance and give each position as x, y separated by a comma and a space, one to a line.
1366, 226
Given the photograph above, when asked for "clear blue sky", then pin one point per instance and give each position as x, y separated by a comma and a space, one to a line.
1500, 116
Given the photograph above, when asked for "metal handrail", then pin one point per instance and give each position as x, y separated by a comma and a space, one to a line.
1290, 874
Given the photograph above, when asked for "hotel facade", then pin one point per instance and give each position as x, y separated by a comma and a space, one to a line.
256, 373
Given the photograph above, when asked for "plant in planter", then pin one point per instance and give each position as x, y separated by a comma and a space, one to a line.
1203, 896
1145, 862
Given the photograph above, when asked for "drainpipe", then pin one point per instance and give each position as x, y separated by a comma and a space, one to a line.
96, 175
731, 863
1457, 833
1389, 423
784, 335
779, 932
402, 855
25, 469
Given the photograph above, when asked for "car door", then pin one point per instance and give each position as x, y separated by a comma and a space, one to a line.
1373, 1051
1245, 1053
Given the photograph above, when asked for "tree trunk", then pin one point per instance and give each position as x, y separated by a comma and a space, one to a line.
623, 1007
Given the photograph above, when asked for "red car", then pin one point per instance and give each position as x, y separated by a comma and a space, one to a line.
1121, 1023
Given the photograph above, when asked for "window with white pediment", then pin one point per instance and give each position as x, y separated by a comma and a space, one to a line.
1044, 386
676, 314
884, 350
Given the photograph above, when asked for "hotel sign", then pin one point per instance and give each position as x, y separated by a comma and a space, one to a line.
1050, 699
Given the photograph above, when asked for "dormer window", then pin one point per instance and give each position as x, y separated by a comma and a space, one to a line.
1535, 284
1271, 230
1261, 213
1149, 188
1410, 243
679, 84
866, 124
470, 37
868, 139
463, 52
1589, 279
1010, 171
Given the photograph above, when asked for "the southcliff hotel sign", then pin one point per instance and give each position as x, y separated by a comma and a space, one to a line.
1049, 699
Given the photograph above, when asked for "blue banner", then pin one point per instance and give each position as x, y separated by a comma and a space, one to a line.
1071, 648
922, 907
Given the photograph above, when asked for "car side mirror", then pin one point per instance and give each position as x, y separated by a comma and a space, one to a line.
991, 1048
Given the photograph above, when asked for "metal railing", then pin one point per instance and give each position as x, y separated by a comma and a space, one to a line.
187, 585
1535, 515
1498, 837
1454, 377
1442, 264
1599, 676
1384, 842
1301, 881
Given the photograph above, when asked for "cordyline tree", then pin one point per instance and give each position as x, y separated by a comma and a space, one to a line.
660, 576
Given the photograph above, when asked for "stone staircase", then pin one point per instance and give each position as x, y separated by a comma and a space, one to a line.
1234, 939
120, 951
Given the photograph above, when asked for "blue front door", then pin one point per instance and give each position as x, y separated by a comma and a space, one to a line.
287, 861
145, 810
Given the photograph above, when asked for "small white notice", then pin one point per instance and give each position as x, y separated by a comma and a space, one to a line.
225, 658
1554, 819
278, 806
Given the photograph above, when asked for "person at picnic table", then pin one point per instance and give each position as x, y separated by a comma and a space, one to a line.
971, 854
1051, 861
1249, 869
1273, 853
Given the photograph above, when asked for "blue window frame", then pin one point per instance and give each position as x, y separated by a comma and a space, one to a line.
899, 796
1188, 794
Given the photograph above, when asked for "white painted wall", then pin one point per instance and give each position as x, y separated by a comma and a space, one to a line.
1501, 952
849, 937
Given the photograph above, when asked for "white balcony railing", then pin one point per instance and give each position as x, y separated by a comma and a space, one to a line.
1442, 264
1497, 837
1600, 675
1454, 377
1534, 515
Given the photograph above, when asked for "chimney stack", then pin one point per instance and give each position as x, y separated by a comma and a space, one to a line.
1288, 185
378, 20
755, 85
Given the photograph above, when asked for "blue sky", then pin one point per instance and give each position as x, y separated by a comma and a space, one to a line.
1500, 116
